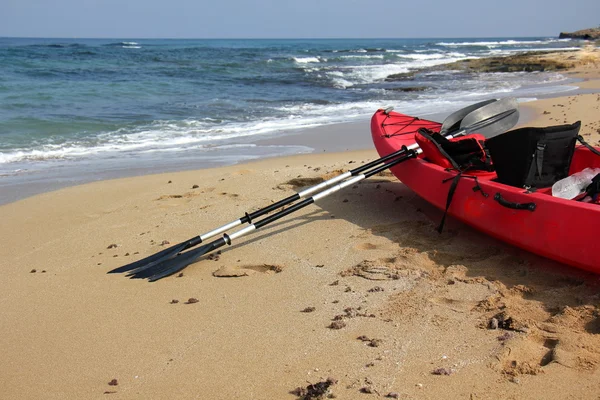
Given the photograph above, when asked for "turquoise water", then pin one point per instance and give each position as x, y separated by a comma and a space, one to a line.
82, 106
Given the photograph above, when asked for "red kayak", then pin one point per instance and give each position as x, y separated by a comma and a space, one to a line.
553, 227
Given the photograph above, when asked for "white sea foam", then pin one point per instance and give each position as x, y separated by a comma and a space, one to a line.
364, 74
304, 60
492, 43
423, 63
349, 76
193, 135
374, 56
438, 56
339, 81
422, 56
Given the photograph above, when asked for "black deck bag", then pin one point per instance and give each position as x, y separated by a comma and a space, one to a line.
534, 157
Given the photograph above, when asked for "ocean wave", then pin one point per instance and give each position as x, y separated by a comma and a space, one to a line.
304, 60
359, 50
423, 56
491, 43
350, 76
364, 57
365, 74
173, 136
120, 44
431, 62
56, 45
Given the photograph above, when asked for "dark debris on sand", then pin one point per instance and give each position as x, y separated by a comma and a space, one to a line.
337, 325
442, 371
370, 342
319, 390
502, 321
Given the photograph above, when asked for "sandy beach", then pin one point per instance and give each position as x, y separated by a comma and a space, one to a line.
358, 292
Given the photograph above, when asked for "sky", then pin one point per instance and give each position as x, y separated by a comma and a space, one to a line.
294, 19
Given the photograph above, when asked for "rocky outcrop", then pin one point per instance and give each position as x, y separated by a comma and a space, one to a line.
585, 34
525, 62
537, 61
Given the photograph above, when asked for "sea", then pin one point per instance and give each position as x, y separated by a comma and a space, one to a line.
78, 110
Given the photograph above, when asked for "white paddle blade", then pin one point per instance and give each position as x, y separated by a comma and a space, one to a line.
453, 121
492, 119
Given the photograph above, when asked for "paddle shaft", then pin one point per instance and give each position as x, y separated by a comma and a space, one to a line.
184, 259
172, 251
300, 195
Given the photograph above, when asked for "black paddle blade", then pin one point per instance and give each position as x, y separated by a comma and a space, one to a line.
175, 264
156, 258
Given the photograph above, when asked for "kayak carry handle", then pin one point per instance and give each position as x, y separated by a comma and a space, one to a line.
515, 206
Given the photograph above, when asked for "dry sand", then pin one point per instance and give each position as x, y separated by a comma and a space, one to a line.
413, 307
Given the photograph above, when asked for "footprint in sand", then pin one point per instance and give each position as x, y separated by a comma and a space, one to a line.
302, 182
366, 246
230, 195
187, 195
563, 340
243, 172
246, 270
528, 356
454, 304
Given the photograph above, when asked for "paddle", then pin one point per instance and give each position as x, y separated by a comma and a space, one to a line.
452, 121
176, 264
172, 251
500, 114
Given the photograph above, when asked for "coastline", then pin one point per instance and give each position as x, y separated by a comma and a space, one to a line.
72, 331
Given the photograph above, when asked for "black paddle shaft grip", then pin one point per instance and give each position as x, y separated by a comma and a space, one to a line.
283, 213
409, 154
515, 206
365, 167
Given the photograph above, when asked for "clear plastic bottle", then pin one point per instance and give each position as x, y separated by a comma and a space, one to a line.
573, 185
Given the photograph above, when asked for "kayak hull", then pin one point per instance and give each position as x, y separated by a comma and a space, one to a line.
559, 229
